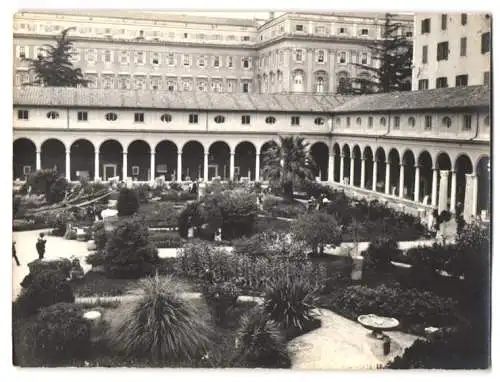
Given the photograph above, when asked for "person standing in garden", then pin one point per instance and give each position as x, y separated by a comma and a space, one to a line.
40, 246
14, 255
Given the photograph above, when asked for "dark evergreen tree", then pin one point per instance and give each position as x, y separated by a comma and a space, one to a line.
392, 63
53, 65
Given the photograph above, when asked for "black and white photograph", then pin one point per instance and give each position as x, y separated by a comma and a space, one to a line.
283, 189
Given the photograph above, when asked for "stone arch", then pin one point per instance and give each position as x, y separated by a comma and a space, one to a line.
368, 157
409, 163
462, 166
139, 160
111, 159
321, 81
82, 159
319, 152
166, 154
346, 155
24, 158
244, 160
218, 160
394, 161
425, 165
192, 160
380, 158
336, 170
483, 171
356, 154
298, 81
53, 155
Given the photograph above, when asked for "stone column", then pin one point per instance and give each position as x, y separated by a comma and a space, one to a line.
453, 199
342, 168
470, 202
443, 191
401, 180
96, 165
257, 167
388, 178
125, 166
434, 187
68, 165
38, 160
152, 165
231, 166
179, 166
362, 185
331, 168
416, 197
374, 175
351, 172
205, 167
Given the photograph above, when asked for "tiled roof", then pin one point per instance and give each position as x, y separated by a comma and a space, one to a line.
468, 97
471, 96
156, 99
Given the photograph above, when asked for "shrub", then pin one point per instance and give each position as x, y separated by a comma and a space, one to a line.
128, 202
379, 254
409, 306
317, 229
61, 265
221, 298
260, 343
49, 183
159, 325
96, 258
289, 300
464, 348
166, 239
58, 190
43, 289
143, 192
129, 252
162, 214
58, 333
100, 235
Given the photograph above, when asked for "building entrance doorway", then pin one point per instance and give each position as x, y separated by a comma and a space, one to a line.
109, 171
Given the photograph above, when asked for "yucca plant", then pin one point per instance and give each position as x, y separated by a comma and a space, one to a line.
260, 342
290, 301
160, 324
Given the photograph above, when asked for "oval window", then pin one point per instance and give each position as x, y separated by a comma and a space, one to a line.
219, 119
111, 117
319, 121
270, 120
166, 118
52, 115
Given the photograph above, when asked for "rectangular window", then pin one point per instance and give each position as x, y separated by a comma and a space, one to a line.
107, 56
230, 62
423, 84
135, 170
295, 121
442, 51
467, 122
193, 118
486, 78
463, 46
321, 56
428, 122
186, 60
485, 42
246, 38
216, 61
201, 62
22, 114
245, 62
245, 119
155, 60
341, 30
364, 32
462, 80
348, 121
441, 82
245, 88
82, 116
171, 59
343, 57
396, 122
426, 26
299, 28
364, 58
463, 17
124, 57
139, 58
139, 117
425, 52
444, 19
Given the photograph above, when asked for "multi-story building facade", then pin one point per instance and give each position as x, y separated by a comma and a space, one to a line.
451, 49
295, 52
426, 149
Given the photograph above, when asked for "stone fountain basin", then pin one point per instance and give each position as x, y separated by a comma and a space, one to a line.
374, 322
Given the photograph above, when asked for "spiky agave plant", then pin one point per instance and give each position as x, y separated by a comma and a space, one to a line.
260, 342
160, 324
289, 300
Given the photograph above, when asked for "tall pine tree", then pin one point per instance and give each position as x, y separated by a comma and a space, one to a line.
53, 65
392, 62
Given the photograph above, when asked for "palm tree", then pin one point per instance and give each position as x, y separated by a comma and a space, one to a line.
288, 164
54, 67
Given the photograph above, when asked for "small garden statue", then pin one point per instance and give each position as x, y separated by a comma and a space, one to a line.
218, 235
40, 246
76, 269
